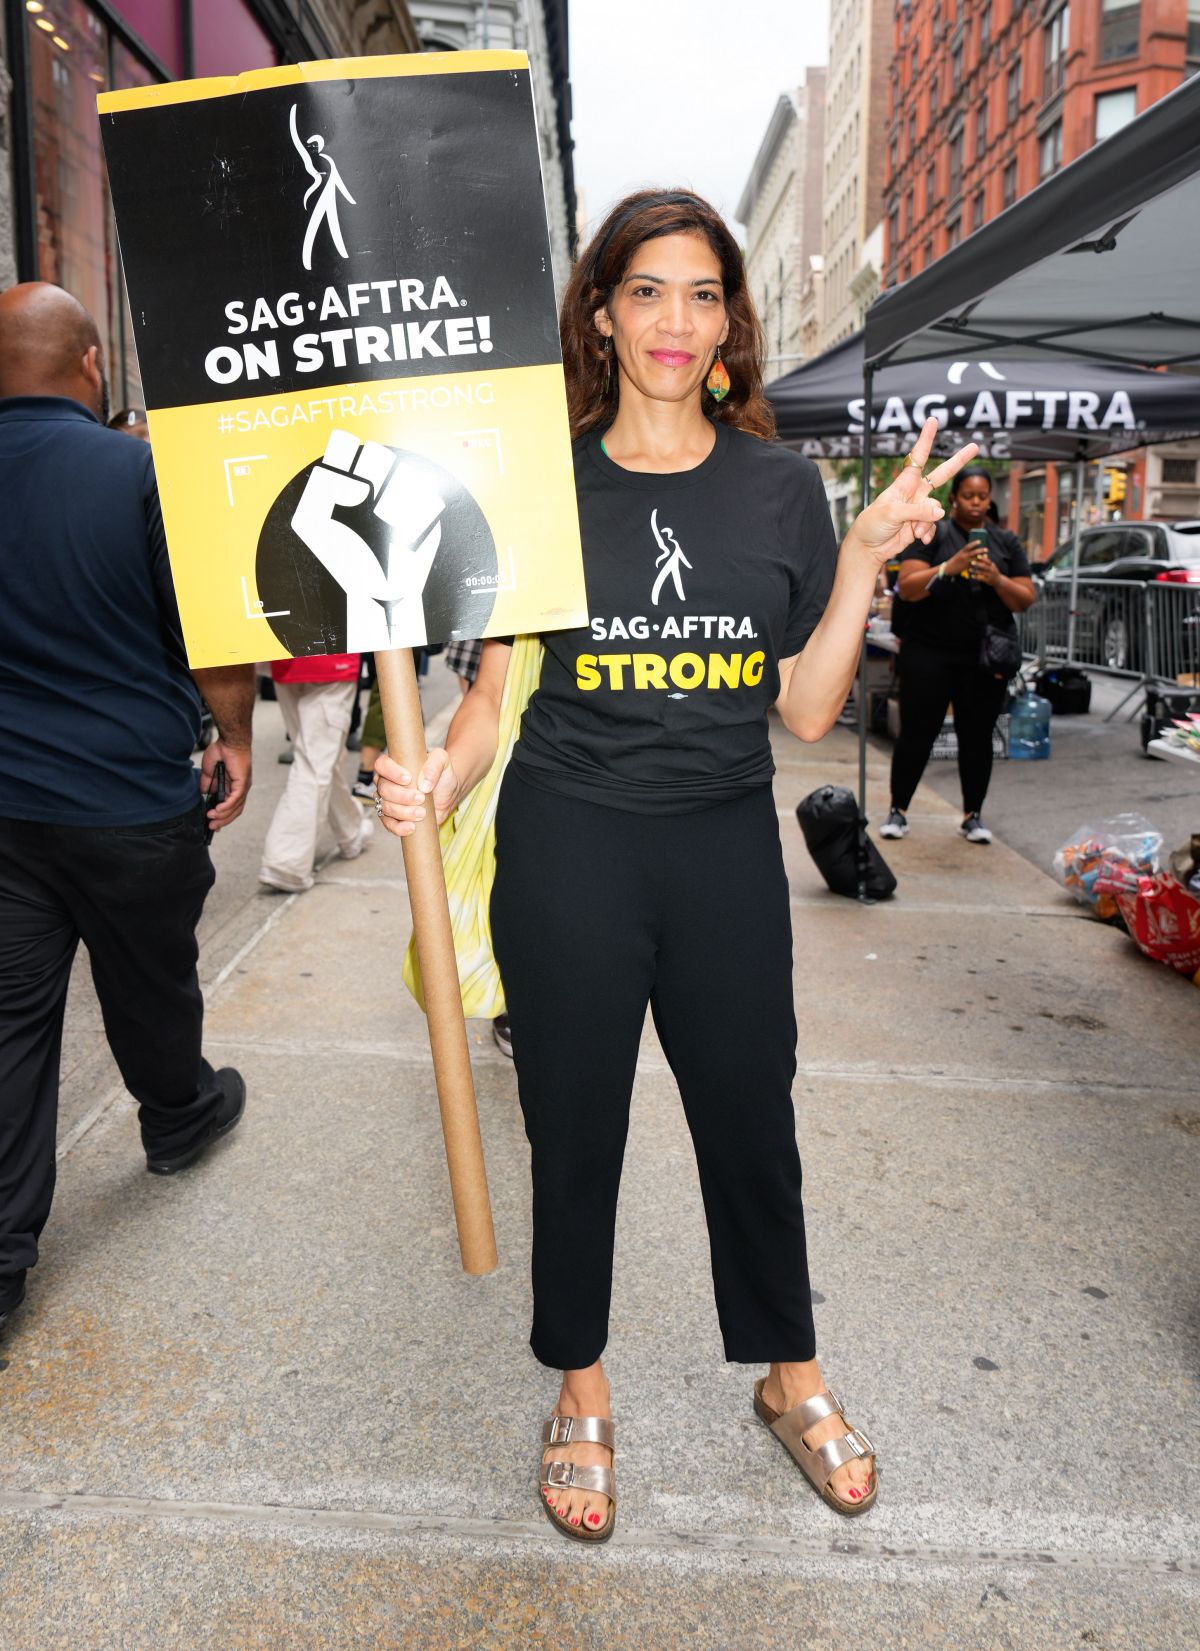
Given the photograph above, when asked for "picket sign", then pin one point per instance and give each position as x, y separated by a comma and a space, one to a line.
343, 306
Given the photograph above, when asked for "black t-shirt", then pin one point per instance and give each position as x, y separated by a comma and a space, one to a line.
698, 583
954, 614
98, 711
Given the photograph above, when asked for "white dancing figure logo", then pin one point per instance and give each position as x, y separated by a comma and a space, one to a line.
330, 186
669, 560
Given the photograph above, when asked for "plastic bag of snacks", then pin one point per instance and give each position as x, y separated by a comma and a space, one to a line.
1098, 861
1164, 919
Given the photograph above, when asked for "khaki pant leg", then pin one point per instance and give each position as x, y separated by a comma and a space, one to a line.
317, 716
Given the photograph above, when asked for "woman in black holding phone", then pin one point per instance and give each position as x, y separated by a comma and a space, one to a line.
960, 646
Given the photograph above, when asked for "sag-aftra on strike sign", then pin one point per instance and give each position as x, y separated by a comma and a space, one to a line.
339, 277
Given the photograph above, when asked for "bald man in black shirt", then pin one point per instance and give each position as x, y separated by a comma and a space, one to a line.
102, 816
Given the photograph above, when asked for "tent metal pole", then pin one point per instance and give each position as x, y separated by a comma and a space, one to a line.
868, 387
1073, 604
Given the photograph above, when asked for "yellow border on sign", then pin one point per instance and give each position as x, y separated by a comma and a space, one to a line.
298, 74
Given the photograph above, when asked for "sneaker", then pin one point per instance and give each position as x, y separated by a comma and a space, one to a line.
895, 825
366, 830
974, 830
364, 790
502, 1035
283, 885
226, 1117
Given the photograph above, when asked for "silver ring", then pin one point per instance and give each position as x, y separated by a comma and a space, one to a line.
379, 806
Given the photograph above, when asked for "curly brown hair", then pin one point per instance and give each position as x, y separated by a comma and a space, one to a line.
644, 216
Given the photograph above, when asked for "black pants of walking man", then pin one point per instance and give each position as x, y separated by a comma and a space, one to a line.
134, 895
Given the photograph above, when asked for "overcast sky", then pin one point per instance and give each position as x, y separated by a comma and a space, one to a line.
673, 92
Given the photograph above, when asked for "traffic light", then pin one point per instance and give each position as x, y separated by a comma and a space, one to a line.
1115, 486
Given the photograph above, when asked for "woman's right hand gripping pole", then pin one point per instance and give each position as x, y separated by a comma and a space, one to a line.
402, 802
447, 775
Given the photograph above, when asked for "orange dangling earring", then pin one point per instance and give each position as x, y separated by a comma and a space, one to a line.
717, 383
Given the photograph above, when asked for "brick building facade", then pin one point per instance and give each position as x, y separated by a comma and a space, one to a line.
986, 99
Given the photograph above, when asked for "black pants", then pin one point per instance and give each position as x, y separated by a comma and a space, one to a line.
134, 895
597, 912
930, 681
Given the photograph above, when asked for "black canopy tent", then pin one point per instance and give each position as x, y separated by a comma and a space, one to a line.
1100, 263
1051, 410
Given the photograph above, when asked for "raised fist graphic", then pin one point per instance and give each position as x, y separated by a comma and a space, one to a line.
383, 581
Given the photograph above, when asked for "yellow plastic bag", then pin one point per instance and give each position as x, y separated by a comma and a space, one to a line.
468, 840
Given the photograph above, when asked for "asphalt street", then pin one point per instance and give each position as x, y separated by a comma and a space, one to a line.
1096, 769
260, 1405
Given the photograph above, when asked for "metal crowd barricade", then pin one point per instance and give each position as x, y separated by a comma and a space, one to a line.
1146, 632
1173, 632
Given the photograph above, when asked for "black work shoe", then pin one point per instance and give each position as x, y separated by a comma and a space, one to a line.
12, 1300
227, 1116
502, 1035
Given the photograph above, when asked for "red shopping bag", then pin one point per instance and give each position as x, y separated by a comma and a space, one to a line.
1164, 920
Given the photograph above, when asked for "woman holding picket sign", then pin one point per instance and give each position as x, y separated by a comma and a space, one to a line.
637, 846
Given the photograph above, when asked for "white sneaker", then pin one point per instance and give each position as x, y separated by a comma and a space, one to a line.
974, 830
895, 825
283, 885
366, 831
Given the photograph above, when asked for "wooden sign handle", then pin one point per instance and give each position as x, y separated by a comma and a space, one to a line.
405, 727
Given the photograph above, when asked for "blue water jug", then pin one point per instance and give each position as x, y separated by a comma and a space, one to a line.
1029, 727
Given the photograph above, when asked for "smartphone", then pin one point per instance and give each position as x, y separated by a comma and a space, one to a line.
978, 540
215, 795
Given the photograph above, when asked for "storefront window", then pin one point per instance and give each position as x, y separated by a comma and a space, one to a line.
73, 53
229, 38
68, 65
159, 25
128, 71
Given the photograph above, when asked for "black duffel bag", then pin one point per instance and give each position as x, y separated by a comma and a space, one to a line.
832, 827
1068, 689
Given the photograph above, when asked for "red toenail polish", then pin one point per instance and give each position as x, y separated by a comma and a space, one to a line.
854, 1493
574, 1519
593, 1518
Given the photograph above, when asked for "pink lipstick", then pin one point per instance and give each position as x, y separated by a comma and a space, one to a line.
671, 358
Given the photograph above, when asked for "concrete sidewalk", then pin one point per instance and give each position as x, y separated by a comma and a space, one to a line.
260, 1405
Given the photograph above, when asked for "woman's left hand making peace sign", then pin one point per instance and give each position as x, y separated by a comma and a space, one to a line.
904, 511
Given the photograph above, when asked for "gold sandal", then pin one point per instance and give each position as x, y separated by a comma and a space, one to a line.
821, 1464
579, 1430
